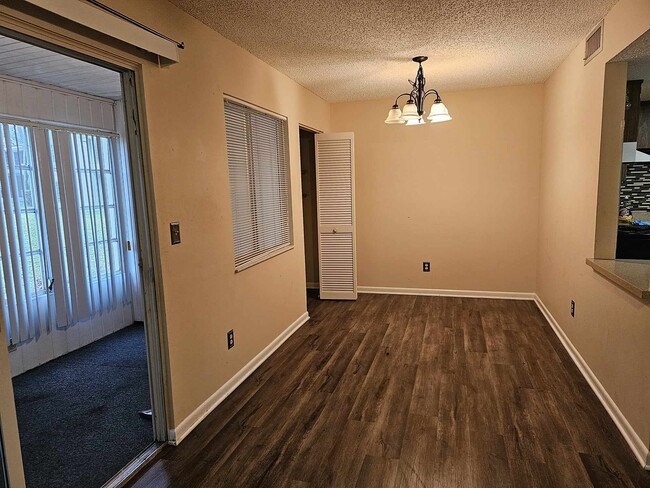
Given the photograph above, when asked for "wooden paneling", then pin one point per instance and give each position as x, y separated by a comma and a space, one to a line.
404, 391
21, 60
23, 99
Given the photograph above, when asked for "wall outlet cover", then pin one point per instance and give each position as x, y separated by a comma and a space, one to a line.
175, 231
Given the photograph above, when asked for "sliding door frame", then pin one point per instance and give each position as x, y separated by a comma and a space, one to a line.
49, 36
12, 455
3, 470
148, 254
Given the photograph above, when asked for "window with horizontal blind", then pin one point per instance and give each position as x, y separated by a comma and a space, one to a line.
258, 164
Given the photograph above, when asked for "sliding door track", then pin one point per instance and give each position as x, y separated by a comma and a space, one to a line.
142, 460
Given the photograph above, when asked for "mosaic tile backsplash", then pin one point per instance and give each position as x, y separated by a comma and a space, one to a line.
635, 187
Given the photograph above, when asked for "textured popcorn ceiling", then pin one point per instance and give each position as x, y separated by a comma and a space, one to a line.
355, 50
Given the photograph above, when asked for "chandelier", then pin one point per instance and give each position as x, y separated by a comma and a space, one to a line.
413, 111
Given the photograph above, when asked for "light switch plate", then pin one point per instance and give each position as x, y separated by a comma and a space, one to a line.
175, 231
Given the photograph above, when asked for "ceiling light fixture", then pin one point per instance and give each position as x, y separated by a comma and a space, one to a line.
413, 111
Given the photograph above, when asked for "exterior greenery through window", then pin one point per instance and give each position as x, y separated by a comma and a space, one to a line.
258, 164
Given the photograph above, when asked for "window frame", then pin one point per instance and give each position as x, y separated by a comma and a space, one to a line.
282, 248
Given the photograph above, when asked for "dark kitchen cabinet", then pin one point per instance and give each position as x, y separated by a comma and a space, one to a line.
633, 243
632, 109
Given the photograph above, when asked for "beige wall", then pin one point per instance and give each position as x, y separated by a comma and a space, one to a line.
203, 296
611, 329
461, 194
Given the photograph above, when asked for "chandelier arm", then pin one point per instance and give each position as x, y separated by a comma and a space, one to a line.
429, 92
402, 95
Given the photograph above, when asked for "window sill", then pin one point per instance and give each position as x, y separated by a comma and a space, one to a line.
631, 275
264, 257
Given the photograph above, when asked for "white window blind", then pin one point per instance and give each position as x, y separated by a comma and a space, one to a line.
258, 163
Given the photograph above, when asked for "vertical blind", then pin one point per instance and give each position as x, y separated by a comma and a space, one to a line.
258, 163
23, 248
61, 235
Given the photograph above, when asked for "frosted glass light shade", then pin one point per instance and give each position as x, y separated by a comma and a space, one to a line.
410, 111
418, 121
439, 113
394, 116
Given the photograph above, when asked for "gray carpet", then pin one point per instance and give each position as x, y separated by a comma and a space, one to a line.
78, 414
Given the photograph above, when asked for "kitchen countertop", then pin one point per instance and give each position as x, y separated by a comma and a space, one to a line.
631, 275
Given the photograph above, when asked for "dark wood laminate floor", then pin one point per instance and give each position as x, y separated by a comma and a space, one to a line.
404, 391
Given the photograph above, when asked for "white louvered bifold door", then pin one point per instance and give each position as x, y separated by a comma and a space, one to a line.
336, 219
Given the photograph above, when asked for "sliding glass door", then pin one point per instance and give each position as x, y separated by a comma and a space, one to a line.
78, 252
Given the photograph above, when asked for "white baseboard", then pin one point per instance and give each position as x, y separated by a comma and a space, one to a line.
638, 447
508, 295
191, 421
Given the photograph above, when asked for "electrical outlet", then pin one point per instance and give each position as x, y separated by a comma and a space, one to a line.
573, 308
231, 339
426, 267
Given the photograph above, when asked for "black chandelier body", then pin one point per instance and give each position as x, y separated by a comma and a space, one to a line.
413, 111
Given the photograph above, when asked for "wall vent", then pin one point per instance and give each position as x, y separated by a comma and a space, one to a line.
594, 42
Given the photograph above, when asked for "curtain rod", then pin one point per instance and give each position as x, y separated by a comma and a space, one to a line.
180, 45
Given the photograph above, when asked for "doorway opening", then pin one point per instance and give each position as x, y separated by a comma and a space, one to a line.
327, 167
80, 324
309, 207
